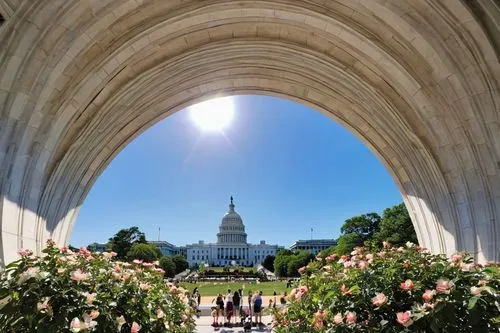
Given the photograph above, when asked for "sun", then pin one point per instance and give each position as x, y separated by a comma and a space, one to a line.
214, 114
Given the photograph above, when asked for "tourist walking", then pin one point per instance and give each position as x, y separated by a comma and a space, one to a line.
257, 308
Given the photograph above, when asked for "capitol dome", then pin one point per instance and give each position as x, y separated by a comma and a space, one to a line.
232, 229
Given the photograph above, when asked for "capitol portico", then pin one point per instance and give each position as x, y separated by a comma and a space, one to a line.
231, 245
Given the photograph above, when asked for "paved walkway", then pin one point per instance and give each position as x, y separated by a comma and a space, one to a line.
203, 325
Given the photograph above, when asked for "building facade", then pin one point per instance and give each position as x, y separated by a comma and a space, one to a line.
169, 249
313, 245
231, 247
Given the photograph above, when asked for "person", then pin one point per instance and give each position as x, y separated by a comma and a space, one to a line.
229, 307
250, 298
283, 299
197, 297
275, 299
197, 294
236, 304
215, 316
257, 308
219, 303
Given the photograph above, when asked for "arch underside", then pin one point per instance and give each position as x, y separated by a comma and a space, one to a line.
416, 81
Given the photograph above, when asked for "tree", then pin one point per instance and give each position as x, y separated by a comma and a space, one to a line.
396, 227
364, 225
180, 262
287, 262
269, 263
346, 243
167, 264
281, 262
144, 251
122, 242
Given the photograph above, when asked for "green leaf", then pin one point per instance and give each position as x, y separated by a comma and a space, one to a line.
472, 302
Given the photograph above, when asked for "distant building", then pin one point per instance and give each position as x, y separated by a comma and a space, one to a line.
313, 245
168, 249
97, 247
231, 246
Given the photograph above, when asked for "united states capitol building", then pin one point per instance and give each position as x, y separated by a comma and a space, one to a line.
231, 247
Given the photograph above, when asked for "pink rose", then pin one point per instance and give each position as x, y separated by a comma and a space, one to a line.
443, 286
337, 319
63, 249
350, 317
428, 295
135, 328
159, 313
362, 264
386, 244
476, 290
404, 318
456, 258
78, 275
483, 282
407, 285
113, 254
74, 326
379, 300
94, 314
137, 261
24, 252
302, 269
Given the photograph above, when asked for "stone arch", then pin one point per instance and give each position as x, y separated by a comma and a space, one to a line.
418, 82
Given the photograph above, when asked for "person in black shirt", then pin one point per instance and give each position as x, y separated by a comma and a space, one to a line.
236, 304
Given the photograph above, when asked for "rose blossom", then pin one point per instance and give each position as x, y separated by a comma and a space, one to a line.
159, 313
483, 282
379, 300
78, 275
302, 269
404, 318
135, 328
443, 286
74, 326
337, 319
362, 264
455, 258
407, 285
350, 317
386, 244
428, 295
24, 252
476, 290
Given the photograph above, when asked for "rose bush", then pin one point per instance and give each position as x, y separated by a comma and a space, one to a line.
393, 290
65, 291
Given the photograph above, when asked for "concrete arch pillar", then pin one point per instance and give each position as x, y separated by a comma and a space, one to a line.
418, 82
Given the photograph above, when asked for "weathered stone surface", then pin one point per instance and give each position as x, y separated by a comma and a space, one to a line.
417, 81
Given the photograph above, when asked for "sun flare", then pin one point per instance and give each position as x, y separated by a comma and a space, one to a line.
214, 114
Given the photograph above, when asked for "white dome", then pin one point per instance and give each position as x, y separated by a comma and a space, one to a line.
232, 229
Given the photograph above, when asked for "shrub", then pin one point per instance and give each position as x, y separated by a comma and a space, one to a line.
144, 251
66, 291
394, 290
168, 265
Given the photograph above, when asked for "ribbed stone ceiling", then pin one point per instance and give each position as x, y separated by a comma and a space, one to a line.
417, 81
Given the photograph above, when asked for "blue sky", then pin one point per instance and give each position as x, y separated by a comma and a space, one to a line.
288, 167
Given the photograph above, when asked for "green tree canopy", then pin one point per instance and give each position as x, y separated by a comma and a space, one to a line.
364, 225
269, 263
347, 242
168, 265
287, 262
180, 262
122, 242
144, 251
396, 227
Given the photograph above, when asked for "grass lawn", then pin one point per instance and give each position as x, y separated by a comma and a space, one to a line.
214, 288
